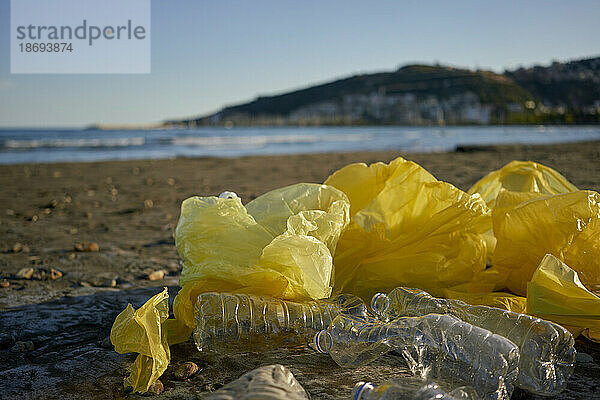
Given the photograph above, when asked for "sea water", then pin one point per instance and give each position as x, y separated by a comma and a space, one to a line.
46, 145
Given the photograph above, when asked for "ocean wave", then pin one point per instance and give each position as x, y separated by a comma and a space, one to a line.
73, 143
263, 140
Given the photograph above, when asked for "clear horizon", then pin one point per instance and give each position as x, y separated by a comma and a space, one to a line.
206, 56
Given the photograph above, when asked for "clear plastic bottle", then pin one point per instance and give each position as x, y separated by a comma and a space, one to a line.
403, 390
434, 346
547, 352
229, 320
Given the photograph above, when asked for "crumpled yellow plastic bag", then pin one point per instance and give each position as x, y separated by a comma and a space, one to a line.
279, 245
555, 293
140, 331
564, 225
521, 176
525, 178
407, 229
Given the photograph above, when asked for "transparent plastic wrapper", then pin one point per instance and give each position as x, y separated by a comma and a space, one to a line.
407, 229
228, 322
278, 245
434, 346
271, 382
564, 225
140, 331
410, 390
547, 352
556, 293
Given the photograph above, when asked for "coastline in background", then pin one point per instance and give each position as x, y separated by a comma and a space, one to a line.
37, 146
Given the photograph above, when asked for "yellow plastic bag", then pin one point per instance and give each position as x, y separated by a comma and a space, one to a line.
140, 331
555, 293
407, 229
526, 179
280, 245
521, 176
564, 225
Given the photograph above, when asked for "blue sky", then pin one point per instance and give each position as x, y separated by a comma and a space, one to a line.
206, 54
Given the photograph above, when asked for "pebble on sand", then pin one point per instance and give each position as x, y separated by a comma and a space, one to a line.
156, 388
156, 275
20, 247
185, 371
25, 273
22, 347
87, 246
4, 283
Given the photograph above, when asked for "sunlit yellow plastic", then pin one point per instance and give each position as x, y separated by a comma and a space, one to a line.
521, 176
526, 179
407, 229
278, 245
555, 293
564, 225
140, 331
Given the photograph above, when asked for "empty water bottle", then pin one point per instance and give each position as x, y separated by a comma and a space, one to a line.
437, 346
547, 352
227, 320
409, 390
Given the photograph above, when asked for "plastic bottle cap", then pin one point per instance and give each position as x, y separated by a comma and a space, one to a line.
323, 341
361, 388
380, 303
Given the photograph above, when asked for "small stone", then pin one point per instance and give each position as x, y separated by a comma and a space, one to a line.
109, 283
10, 212
185, 371
171, 181
156, 388
55, 274
20, 247
148, 203
25, 273
156, 275
85, 284
87, 247
4, 283
22, 347
583, 358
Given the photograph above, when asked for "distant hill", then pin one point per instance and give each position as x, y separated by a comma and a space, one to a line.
430, 95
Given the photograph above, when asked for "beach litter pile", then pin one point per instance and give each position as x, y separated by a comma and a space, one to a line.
480, 291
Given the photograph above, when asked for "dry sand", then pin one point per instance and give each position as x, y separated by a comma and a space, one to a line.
130, 208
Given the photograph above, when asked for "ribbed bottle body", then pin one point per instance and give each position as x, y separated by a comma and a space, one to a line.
547, 352
226, 320
434, 346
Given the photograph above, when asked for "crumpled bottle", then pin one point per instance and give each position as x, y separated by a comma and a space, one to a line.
547, 352
437, 346
227, 321
413, 391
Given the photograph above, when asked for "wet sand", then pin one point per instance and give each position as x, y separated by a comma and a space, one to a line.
50, 214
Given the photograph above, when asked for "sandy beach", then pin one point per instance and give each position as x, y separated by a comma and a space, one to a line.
77, 229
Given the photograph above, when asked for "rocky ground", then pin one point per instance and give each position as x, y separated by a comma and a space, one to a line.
80, 240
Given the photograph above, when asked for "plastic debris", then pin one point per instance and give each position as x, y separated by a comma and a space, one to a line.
521, 176
434, 346
140, 331
279, 245
547, 352
271, 382
399, 390
556, 293
230, 321
407, 229
564, 225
